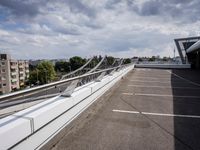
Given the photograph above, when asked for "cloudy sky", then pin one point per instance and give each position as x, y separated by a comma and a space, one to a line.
33, 29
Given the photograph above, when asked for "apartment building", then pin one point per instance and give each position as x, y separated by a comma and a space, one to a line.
13, 73
23, 72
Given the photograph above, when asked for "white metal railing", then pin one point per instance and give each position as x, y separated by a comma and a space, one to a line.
44, 88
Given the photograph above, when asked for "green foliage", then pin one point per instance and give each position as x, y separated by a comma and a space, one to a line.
43, 73
62, 66
110, 60
46, 72
31, 67
153, 58
127, 61
33, 77
165, 59
140, 59
76, 62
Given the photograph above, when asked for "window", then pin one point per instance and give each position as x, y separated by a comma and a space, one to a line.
14, 83
3, 70
3, 63
3, 56
4, 84
14, 76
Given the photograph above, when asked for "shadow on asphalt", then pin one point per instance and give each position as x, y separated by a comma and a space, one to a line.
186, 130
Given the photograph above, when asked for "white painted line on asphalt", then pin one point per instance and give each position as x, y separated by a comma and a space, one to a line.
126, 111
171, 115
156, 114
150, 81
127, 93
168, 87
163, 95
169, 78
194, 83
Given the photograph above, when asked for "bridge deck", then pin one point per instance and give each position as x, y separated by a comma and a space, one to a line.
148, 109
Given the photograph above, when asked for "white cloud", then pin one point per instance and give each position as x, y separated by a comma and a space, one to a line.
65, 28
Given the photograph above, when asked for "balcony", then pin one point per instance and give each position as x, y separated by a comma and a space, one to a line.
21, 72
22, 78
13, 66
14, 86
14, 80
13, 73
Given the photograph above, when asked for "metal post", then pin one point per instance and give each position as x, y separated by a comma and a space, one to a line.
37, 76
70, 69
45, 76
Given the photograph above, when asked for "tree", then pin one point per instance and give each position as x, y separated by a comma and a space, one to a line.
140, 59
110, 60
153, 58
127, 61
31, 67
76, 62
62, 66
33, 77
45, 72
165, 59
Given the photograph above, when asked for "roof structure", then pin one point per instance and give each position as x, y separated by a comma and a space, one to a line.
187, 45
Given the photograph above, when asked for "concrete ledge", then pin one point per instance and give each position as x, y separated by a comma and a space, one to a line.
36, 125
164, 66
12, 130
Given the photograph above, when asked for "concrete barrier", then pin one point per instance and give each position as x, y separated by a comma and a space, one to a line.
35, 126
164, 66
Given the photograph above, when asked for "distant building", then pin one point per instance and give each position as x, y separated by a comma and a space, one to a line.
13, 73
23, 72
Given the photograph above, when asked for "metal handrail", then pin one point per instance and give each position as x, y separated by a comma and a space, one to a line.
75, 71
93, 69
27, 91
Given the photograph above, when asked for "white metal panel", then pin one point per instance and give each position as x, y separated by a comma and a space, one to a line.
13, 130
46, 111
194, 47
46, 133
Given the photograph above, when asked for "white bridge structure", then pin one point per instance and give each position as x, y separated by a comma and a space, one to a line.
33, 127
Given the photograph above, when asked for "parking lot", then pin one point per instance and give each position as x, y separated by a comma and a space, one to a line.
147, 109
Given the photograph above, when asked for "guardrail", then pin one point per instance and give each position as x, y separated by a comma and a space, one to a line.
77, 70
35, 126
60, 86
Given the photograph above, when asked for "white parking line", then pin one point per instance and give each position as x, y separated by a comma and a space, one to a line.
152, 81
127, 93
126, 111
164, 95
153, 78
156, 114
194, 83
168, 87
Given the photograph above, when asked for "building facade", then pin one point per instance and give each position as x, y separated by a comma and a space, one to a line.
13, 73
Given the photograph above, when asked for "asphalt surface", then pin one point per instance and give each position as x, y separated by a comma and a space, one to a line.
149, 109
